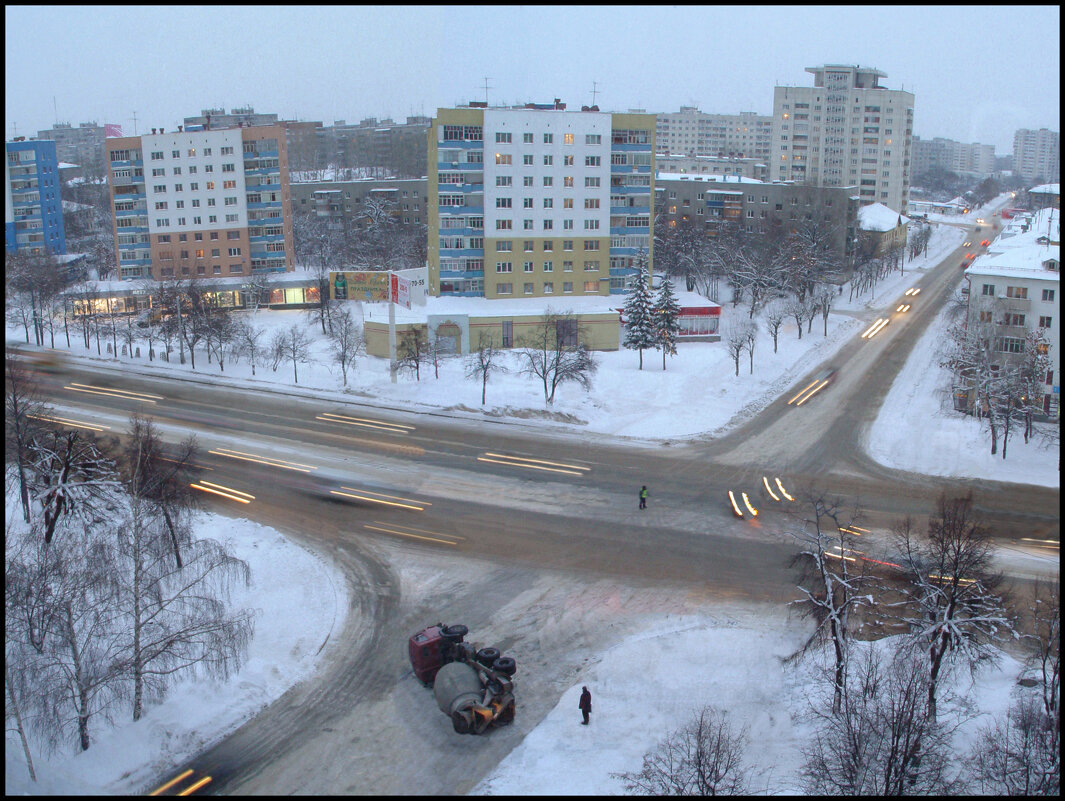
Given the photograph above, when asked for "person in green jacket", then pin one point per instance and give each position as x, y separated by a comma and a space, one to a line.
643, 497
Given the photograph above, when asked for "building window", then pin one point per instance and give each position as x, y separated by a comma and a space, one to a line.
1044, 322
527, 266
503, 202
527, 138
593, 139
591, 225
504, 246
504, 289
1020, 292
549, 288
567, 181
567, 244
548, 138
549, 266
503, 137
1009, 345
527, 159
234, 251
549, 160
591, 266
504, 266
527, 180
567, 286
567, 225
1048, 295
567, 139
591, 244
549, 244
591, 181
527, 203
988, 289
548, 180
215, 252
503, 158
503, 225
549, 225
592, 161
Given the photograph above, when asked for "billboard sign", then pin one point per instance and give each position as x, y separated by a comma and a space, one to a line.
366, 286
400, 291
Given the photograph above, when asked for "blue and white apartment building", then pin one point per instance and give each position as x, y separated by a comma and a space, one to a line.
33, 211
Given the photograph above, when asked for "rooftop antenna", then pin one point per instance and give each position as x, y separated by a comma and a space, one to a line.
14, 130
595, 91
134, 118
486, 88
55, 110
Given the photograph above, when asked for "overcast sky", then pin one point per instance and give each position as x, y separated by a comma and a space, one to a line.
978, 72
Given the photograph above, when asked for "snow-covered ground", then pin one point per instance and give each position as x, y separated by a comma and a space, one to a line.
730, 658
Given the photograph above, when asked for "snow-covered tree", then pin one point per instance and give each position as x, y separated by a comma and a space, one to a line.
639, 316
346, 342
552, 351
487, 359
950, 601
666, 320
833, 584
736, 340
750, 338
704, 757
1017, 754
411, 351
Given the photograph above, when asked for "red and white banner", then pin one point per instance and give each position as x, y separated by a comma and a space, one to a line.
400, 291
112, 131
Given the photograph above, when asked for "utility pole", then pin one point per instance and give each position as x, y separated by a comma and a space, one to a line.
134, 118
486, 88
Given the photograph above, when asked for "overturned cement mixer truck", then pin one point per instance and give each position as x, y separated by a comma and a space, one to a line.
474, 687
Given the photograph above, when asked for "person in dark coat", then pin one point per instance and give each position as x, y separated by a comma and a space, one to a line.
643, 497
585, 705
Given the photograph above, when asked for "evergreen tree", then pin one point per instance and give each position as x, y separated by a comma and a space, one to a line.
666, 320
639, 316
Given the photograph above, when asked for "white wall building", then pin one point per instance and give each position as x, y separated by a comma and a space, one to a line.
1037, 154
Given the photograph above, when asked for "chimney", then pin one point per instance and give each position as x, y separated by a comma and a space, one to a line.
153, 130
180, 128
162, 130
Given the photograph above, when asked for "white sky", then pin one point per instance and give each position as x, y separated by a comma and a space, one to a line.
978, 72
643, 687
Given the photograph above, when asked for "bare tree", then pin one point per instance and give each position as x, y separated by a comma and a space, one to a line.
1018, 754
750, 337
950, 601
705, 757
825, 298
554, 353
23, 410
295, 347
249, 342
223, 337
801, 311
412, 350
882, 740
1044, 609
346, 342
775, 314
833, 580
736, 341
483, 362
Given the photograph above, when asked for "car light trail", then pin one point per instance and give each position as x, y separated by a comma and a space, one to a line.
782, 490
225, 492
801, 391
905, 307
767, 489
875, 328
747, 503
735, 508
68, 422
966, 581
534, 464
250, 457
380, 497
820, 385
431, 536
193, 788
857, 531
1045, 543
365, 422
912, 292
126, 394
840, 556
163, 788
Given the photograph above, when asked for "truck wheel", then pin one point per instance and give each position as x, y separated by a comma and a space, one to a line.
454, 633
486, 656
505, 665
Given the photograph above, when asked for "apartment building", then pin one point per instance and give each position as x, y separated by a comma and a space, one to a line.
974, 160
756, 206
693, 133
345, 202
1037, 155
393, 148
712, 165
83, 145
218, 118
537, 201
1015, 288
845, 130
201, 203
33, 212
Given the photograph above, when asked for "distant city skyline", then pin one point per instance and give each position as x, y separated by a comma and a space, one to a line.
978, 73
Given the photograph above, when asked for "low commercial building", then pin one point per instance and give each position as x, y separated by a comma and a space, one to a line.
882, 228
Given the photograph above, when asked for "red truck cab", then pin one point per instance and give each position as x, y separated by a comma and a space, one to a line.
432, 648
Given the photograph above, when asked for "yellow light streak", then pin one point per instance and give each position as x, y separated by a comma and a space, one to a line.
455, 537
196, 786
1053, 543
767, 489
812, 392
735, 507
170, 783
537, 461
801, 391
228, 489
406, 534
871, 331
747, 503
356, 494
905, 307
379, 425
202, 488
783, 491
125, 391
67, 421
386, 495
248, 457
916, 291
948, 578
529, 463
114, 393
840, 556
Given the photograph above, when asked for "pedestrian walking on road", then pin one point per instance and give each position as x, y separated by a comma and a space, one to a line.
585, 705
643, 497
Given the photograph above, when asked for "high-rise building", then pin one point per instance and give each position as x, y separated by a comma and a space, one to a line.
381, 147
33, 211
965, 159
201, 203
1037, 155
83, 145
216, 118
536, 201
690, 132
845, 130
